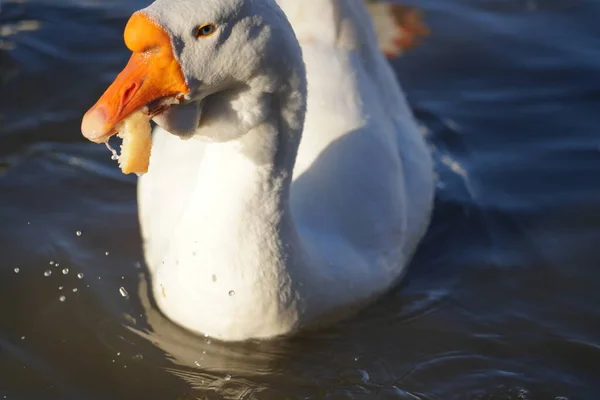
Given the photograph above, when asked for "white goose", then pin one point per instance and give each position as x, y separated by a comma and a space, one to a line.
249, 231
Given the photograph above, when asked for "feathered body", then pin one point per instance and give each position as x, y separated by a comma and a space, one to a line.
293, 186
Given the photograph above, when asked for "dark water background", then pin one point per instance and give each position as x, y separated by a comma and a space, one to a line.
501, 302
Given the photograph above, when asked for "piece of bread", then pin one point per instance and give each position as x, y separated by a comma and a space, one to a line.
135, 131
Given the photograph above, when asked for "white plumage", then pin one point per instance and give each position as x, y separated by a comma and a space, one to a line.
303, 186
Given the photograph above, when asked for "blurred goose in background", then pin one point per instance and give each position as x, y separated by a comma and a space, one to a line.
398, 28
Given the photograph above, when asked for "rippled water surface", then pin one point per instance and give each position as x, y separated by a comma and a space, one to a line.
501, 302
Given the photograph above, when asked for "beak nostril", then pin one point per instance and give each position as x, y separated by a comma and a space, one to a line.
128, 94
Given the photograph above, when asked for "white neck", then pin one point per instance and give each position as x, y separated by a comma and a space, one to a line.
241, 199
236, 252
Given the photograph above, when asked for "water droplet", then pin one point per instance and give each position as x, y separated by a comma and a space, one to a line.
197, 364
61, 287
22, 337
123, 292
227, 377
47, 273
56, 264
118, 353
138, 357
62, 299
115, 155
65, 271
78, 233
75, 290
51, 263
17, 270
80, 275
106, 253
232, 293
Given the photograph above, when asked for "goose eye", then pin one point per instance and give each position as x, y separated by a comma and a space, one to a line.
205, 30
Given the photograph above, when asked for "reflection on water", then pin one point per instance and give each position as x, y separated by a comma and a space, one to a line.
499, 303
8, 30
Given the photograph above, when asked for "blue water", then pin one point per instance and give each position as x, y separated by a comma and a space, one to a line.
501, 301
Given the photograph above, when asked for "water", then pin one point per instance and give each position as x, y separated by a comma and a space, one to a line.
114, 155
501, 302
123, 292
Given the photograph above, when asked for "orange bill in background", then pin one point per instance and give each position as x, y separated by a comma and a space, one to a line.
399, 28
152, 74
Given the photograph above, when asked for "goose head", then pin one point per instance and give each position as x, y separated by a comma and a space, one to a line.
200, 68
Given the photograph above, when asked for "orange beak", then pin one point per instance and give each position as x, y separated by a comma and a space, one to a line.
151, 74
